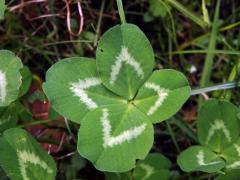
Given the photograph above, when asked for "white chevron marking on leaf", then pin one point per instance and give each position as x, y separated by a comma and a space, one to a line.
148, 169
125, 57
218, 125
201, 162
127, 135
25, 157
237, 147
3, 86
234, 165
162, 94
79, 89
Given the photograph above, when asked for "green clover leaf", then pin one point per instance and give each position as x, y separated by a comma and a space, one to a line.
8, 117
125, 59
218, 132
163, 94
154, 166
10, 77
200, 158
217, 124
158, 8
22, 158
114, 136
74, 88
232, 155
121, 88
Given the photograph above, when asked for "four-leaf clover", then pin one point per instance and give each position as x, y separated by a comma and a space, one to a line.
116, 98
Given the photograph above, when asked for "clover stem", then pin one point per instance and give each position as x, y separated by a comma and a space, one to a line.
224, 86
121, 11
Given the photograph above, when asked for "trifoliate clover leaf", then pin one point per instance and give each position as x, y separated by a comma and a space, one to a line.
113, 137
200, 158
218, 126
22, 158
74, 87
155, 166
218, 132
10, 77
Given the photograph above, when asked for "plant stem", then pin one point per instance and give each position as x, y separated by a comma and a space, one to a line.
121, 11
233, 75
224, 86
69, 130
207, 69
185, 127
172, 136
206, 35
99, 23
187, 13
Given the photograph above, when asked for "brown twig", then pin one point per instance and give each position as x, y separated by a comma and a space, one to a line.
21, 5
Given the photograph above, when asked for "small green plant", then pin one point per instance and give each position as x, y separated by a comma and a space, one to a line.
218, 134
157, 8
10, 77
116, 98
22, 157
15, 80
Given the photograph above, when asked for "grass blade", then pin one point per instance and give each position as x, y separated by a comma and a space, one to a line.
187, 13
185, 128
2, 8
212, 45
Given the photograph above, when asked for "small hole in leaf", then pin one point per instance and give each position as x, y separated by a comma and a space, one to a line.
101, 50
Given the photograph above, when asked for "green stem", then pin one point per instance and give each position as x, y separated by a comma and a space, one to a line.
172, 136
186, 128
207, 69
121, 11
69, 129
99, 23
187, 13
224, 86
233, 75
204, 36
